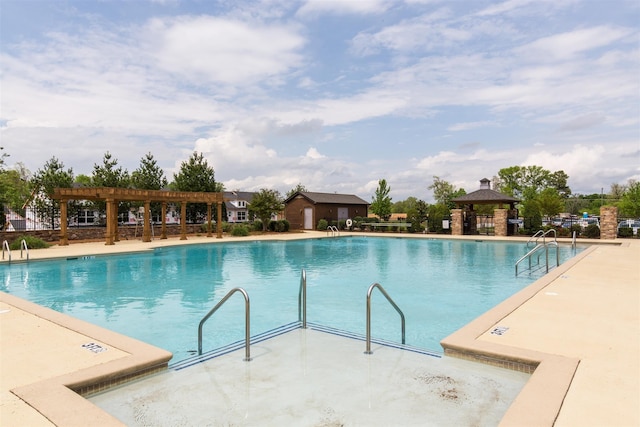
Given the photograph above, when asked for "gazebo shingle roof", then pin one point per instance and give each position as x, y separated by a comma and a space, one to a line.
484, 196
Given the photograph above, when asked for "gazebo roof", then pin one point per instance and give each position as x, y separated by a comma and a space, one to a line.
484, 196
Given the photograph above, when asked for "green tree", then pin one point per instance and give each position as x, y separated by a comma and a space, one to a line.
381, 202
629, 204
148, 176
109, 174
550, 202
301, 188
264, 204
404, 206
14, 190
195, 174
44, 181
83, 180
443, 191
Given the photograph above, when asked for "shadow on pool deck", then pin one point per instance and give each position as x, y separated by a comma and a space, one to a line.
578, 326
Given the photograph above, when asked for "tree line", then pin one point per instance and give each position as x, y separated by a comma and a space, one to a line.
19, 187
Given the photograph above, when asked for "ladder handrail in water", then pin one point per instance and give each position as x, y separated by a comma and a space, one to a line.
302, 300
5, 245
386, 295
246, 321
334, 230
537, 248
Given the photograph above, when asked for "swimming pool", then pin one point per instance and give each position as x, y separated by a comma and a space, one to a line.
160, 296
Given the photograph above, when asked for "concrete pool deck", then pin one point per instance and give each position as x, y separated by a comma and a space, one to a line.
577, 329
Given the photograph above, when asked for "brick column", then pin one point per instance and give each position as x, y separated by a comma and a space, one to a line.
500, 217
457, 224
608, 222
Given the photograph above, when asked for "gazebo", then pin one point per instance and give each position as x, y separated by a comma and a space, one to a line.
112, 196
463, 219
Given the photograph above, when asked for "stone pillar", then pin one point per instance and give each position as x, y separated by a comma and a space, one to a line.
608, 222
457, 222
500, 220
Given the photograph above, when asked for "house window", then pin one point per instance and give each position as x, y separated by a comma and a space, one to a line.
242, 204
242, 216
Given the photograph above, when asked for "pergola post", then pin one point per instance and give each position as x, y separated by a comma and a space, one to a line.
219, 221
163, 232
209, 219
109, 238
183, 221
64, 241
146, 225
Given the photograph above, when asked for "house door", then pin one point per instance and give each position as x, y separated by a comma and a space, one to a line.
308, 219
343, 213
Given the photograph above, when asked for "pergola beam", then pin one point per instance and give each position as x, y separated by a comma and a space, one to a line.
112, 196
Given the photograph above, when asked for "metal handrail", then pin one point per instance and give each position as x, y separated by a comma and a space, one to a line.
23, 245
543, 234
246, 321
5, 245
371, 288
538, 247
302, 300
334, 230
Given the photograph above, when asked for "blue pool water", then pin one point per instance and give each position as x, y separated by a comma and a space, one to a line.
160, 296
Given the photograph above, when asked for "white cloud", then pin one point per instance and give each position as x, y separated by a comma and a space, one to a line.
340, 7
470, 125
211, 49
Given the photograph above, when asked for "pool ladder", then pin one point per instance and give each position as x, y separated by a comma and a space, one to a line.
539, 247
247, 333
23, 247
333, 230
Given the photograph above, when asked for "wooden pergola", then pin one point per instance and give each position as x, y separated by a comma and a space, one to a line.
112, 196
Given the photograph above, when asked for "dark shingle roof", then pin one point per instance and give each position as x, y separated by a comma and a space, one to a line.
332, 198
485, 196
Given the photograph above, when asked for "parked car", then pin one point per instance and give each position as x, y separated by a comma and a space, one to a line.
633, 224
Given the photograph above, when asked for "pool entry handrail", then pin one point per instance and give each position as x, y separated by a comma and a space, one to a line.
537, 250
246, 321
5, 245
541, 233
302, 300
333, 230
23, 245
386, 295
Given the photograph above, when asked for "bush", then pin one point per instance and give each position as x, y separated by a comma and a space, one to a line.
592, 231
257, 225
322, 225
32, 243
279, 226
625, 232
285, 225
203, 227
240, 230
226, 227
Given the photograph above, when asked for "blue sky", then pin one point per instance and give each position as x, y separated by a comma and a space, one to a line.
331, 94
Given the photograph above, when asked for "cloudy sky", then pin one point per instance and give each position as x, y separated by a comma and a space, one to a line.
331, 94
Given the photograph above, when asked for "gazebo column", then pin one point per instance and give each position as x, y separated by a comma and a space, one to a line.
209, 219
500, 219
457, 222
64, 241
146, 225
183, 221
608, 222
219, 222
163, 231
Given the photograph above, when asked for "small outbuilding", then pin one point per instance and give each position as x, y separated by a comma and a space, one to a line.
304, 209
